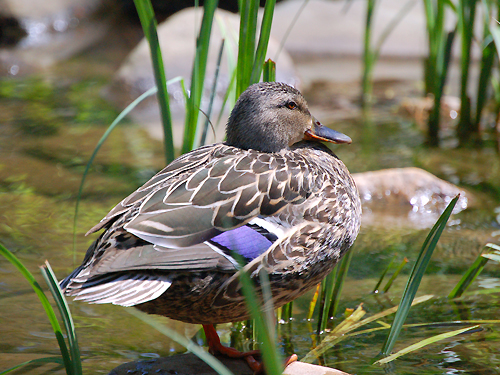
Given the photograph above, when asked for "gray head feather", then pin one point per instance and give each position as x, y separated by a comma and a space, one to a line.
268, 117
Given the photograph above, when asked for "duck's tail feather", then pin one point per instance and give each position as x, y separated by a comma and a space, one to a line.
118, 289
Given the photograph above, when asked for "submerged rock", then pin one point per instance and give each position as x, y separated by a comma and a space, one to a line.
411, 193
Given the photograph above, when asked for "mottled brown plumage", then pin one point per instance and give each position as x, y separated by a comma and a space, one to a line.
287, 206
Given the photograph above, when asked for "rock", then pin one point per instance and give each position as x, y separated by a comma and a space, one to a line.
177, 41
301, 368
410, 192
420, 108
52, 30
189, 364
183, 364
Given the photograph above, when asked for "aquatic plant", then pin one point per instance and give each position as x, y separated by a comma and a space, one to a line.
371, 53
468, 128
70, 358
489, 252
436, 65
149, 26
439, 43
415, 278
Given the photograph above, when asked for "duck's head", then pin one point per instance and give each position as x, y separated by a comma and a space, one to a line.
271, 116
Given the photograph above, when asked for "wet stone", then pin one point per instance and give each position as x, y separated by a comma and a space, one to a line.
411, 192
189, 364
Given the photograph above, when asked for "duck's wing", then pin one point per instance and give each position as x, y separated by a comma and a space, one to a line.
194, 213
130, 272
220, 196
176, 170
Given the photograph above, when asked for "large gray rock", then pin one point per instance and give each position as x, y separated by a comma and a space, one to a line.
337, 27
177, 36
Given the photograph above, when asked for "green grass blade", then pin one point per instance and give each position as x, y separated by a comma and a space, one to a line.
106, 134
45, 303
65, 313
198, 76
392, 310
347, 324
343, 269
472, 272
148, 23
340, 333
212, 95
268, 310
379, 282
340, 330
486, 69
328, 285
395, 275
445, 62
495, 257
230, 90
495, 33
270, 355
265, 32
34, 361
288, 312
416, 277
468, 277
209, 359
246, 46
269, 73
425, 342
368, 55
466, 17
312, 304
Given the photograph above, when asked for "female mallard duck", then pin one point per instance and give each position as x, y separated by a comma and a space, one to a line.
272, 194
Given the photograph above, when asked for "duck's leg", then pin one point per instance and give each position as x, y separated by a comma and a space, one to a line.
258, 367
215, 346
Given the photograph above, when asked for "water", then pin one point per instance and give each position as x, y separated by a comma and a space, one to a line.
40, 175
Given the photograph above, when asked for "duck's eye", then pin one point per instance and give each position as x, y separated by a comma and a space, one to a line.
291, 105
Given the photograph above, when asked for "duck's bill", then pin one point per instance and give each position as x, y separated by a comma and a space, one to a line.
322, 133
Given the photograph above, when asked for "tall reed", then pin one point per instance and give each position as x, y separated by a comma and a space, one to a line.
149, 26
198, 76
466, 16
371, 51
439, 43
250, 57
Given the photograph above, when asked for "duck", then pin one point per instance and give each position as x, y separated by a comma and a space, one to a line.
272, 197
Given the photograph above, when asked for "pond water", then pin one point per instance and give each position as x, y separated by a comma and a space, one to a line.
49, 128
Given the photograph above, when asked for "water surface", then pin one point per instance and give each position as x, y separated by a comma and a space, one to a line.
49, 129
